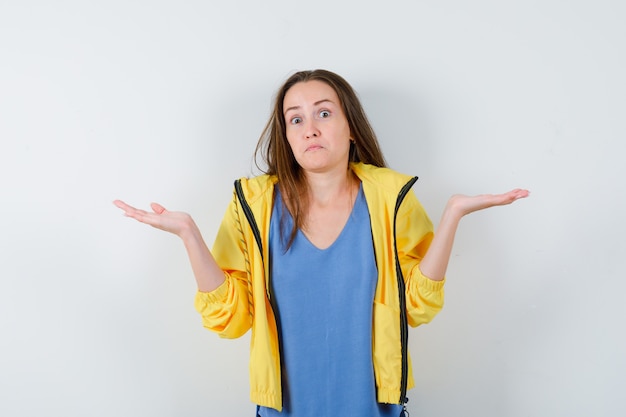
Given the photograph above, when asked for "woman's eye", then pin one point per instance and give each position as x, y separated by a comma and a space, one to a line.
296, 120
324, 114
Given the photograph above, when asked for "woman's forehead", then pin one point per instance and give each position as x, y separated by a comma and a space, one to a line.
309, 93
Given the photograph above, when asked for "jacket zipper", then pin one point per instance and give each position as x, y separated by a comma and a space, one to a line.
404, 326
257, 237
248, 212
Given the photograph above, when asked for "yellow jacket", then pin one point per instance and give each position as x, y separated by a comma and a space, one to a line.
244, 300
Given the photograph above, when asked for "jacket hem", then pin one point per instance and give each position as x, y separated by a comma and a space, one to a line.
266, 400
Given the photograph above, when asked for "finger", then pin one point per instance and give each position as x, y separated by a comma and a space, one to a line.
519, 193
134, 213
122, 205
513, 195
157, 208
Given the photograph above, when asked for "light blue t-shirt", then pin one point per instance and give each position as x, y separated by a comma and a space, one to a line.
324, 300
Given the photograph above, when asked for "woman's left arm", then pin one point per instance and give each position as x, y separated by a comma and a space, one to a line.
435, 262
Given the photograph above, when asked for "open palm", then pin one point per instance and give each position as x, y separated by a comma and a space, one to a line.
170, 221
463, 204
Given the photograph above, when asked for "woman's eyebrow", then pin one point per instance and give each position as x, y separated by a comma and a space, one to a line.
324, 100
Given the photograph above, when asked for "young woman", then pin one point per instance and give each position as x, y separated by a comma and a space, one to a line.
327, 258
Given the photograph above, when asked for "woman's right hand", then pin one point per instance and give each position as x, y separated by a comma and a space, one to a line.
208, 274
174, 222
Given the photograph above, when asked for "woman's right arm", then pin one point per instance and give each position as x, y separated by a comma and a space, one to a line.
207, 272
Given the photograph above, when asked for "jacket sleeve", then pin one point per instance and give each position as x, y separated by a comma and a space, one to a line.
226, 309
424, 297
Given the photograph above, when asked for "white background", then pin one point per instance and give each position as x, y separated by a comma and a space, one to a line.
164, 101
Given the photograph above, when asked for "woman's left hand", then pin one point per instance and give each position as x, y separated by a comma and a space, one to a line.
462, 205
436, 259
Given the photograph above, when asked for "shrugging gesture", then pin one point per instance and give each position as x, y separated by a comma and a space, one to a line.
325, 168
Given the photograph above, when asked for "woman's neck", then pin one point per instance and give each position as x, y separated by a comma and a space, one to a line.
324, 188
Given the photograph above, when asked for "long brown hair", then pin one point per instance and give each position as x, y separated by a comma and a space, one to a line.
275, 152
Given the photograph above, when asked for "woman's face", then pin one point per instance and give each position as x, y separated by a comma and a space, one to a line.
317, 129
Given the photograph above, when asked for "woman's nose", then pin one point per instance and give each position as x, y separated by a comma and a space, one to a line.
311, 130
